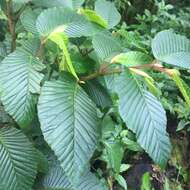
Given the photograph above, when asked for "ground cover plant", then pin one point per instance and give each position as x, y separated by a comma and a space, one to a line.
82, 95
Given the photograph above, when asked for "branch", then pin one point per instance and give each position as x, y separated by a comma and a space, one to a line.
104, 70
11, 24
12, 21
101, 73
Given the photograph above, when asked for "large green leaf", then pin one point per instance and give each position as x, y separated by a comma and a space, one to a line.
64, 20
56, 179
108, 12
88, 181
20, 80
28, 20
72, 4
21, 1
145, 116
172, 48
30, 46
106, 45
132, 58
18, 163
69, 123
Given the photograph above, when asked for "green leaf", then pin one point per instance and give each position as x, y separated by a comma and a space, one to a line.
166, 184
82, 64
28, 20
132, 58
67, 115
106, 45
42, 162
172, 48
114, 154
108, 128
108, 12
182, 124
98, 93
131, 145
56, 179
18, 163
59, 39
64, 20
72, 4
110, 81
152, 87
30, 46
121, 180
21, 1
146, 183
183, 87
93, 17
88, 181
20, 81
124, 167
145, 116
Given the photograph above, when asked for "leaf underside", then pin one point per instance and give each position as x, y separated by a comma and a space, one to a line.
172, 48
20, 81
18, 164
145, 116
67, 115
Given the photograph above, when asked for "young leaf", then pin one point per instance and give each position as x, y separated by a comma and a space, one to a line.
108, 12
145, 116
69, 123
61, 40
124, 167
146, 183
183, 87
20, 81
114, 154
131, 145
122, 182
93, 17
132, 58
172, 48
18, 162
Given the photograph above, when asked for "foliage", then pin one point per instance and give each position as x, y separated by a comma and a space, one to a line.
80, 91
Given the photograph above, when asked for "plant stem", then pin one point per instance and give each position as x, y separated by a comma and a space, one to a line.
104, 70
101, 73
12, 21
11, 24
110, 183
